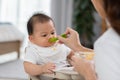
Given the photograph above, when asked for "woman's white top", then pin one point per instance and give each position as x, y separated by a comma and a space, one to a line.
107, 56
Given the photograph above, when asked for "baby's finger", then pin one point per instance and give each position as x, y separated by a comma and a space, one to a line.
51, 71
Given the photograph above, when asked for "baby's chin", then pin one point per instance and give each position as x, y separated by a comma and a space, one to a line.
49, 45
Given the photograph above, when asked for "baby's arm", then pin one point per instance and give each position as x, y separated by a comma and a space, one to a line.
33, 69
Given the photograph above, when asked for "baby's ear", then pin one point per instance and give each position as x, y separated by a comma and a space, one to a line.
30, 38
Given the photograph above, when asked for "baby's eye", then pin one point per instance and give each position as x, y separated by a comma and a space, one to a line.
53, 33
44, 35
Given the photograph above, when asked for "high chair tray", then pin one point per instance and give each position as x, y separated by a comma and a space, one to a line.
64, 73
66, 70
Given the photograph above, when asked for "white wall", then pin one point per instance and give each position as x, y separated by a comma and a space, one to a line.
97, 26
61, 12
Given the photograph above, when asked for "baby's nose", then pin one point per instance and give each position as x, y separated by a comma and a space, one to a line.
51, 36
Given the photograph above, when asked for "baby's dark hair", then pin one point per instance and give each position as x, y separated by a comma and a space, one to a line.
36, 18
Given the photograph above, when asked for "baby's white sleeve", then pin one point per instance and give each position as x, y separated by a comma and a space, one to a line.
30, 55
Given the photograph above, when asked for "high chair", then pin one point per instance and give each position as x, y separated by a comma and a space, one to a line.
67, 74
59, 76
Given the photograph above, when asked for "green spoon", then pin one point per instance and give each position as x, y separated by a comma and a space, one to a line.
54, 39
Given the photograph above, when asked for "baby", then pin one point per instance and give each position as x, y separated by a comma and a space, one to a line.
43, 56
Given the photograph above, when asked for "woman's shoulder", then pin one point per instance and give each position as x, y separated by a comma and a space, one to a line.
109, 37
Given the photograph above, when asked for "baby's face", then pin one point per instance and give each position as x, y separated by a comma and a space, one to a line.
42, 32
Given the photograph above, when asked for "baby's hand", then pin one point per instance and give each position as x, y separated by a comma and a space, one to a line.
48, 68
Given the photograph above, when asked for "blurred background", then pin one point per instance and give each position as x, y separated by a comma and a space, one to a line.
14, 14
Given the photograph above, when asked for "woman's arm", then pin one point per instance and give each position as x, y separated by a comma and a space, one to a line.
72, 41
84, 67
80, 48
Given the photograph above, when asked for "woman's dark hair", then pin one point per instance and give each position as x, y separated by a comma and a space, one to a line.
36, 18
112, 8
